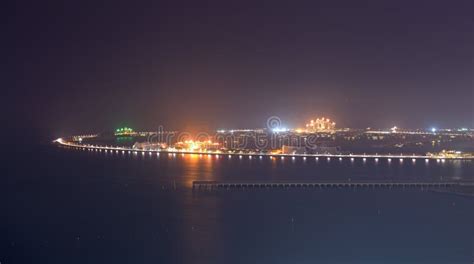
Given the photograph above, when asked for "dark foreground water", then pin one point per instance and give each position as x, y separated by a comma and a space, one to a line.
73, 206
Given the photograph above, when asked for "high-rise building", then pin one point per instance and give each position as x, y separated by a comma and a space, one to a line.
321, 125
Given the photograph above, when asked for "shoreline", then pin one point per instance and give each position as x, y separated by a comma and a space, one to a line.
364, 157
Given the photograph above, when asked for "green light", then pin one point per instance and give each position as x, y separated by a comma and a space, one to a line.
124, 130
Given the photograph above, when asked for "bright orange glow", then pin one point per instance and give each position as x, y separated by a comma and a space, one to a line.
320, 125
197, 146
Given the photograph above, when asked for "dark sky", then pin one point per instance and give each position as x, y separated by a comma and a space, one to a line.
82, 67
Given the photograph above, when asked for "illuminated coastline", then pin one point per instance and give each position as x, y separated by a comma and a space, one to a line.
320, 139
250, 155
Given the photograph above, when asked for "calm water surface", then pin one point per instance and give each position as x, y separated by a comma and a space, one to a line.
73, 206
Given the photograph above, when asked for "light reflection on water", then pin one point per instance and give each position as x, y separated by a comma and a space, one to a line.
214, 167
143, 203
247, 167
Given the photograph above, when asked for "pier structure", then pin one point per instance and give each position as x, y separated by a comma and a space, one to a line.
215, 185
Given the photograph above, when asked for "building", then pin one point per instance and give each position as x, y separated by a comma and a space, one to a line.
149, 146
321, 125
125, 131
293, 150
191, 145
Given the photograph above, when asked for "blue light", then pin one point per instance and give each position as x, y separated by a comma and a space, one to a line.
280, 129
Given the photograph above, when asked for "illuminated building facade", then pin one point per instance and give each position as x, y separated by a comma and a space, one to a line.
125, 131
191, 145
321, 125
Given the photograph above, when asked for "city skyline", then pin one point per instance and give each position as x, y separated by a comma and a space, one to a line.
316, 124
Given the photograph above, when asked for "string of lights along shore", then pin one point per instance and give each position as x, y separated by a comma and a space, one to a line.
319, 138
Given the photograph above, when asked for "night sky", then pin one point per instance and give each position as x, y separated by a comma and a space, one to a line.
90, 67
